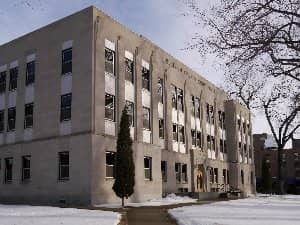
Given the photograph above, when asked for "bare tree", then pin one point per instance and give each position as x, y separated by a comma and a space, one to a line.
259, 32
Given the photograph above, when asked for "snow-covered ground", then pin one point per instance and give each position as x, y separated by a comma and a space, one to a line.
168, 200
40, 215
259, 210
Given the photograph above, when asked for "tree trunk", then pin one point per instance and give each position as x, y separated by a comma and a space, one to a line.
122, 202
280, 181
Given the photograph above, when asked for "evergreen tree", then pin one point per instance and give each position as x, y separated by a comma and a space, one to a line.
124, 173
266, 186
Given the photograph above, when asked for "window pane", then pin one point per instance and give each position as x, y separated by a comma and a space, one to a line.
11, 119
109, 60
13, 78
129, 70
148, 168
130, 112
197, 107
160, 90
8, 170
66, 102
161, 128
30, 72
110, 107
2, 82
175, 135
110, 164
67, 61
26, 167
63, 165
28, 115
146, 118
146, 78
1, 120
180, 99
174, 96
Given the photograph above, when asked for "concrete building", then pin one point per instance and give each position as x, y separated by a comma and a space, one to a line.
63, 88
266, 149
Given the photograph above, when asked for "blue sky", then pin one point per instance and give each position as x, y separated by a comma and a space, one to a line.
161, 21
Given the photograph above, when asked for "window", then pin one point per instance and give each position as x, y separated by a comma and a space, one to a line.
25, 168
207, 113
65, 107
227, 176
8, 170
178, 172
164, 171
2, 81
245, 150
193, 134
146, 118
174, 96
184, 173
11, 119
180, 99
28, 120
109, 61
30, 72
148, 168
160, 94
109, 107
211, 175
66, 66
221, 119
146, 78
181, 133
224, 176
161, 128
63, 165
242, 176
244, 128
1, 121
225, 146
175, 133
199, 139
197, 107
216, 177
212, 114
208, 141
221, 146
213, 147
13, 78
130, 112
110, 164
192, 105
129, 70
239, 124
251, 177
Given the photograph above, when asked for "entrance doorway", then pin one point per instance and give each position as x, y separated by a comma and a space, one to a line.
199, 184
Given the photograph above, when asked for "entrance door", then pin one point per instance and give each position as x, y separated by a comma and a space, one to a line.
199, 180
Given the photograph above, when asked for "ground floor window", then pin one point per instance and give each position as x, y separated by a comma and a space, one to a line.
178, 172
26, 168
164, 171
184, 173
148, 168
242, 176
8, 170
64, 164
110, 164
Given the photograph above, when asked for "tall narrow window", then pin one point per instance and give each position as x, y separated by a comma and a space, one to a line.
197, 107
221, 145
216, 177
178, 172
28, 120
192, 105
242, 176
8, 170
148, 168
146, 118
1, 121
164, 171
180, 99
30, 72
110, 164
2, 81
130, 112
175, 132
212, 114
11, 119
13, 79
199, 139
109, 107
193, 134
174, 96
251, 177
66, 65
224, 176
225, 147
161, 128
65, 107
207, 113
181, 133
208, 142
129, 70
212, 140
63, 158
109, 61
146, 78
26, 168
160, 94
184, 173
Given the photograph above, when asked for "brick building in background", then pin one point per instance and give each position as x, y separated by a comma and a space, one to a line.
265, 149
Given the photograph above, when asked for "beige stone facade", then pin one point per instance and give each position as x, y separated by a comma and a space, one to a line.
180, 145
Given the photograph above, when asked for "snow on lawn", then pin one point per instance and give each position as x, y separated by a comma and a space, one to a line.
168, 200
42, 215
259, 210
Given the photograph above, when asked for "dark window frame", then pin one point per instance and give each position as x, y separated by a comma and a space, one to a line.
161, 128
66, 64
130, 112
164, 171
2, 81
13, 78
160, 90
146, 82
148, 170
11, 119
8, 172
63, 166
2, 121
30, 73
28, 118
110, 166
110, 108
178, 172
129, 70
26, 170
109, 66
146, 122
66, 107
